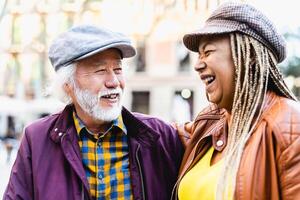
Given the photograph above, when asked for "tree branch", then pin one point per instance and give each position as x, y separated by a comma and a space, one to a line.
2, 11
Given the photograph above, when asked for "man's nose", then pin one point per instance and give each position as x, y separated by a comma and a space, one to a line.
112, 80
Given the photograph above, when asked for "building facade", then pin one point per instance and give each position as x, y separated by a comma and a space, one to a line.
160, 79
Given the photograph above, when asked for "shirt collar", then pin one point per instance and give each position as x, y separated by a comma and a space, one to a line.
118, 123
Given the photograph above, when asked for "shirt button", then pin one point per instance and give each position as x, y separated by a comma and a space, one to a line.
220, 143
100, 176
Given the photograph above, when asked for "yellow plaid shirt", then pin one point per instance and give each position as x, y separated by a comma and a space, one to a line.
105, 159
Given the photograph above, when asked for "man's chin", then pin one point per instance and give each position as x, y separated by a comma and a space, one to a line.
108, 106
107, 114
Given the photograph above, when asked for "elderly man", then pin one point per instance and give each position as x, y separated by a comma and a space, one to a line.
94, 148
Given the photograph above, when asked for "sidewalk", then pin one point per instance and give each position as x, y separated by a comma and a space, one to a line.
5, 168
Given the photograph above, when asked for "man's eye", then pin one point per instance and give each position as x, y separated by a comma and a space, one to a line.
100, 71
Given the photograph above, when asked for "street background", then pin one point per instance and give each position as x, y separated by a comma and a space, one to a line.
5, 167
160, 79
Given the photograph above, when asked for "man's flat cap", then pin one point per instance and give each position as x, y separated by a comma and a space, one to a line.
83, 41
239, 17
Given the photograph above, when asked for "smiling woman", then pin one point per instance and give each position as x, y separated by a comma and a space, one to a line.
215, 67
238, 142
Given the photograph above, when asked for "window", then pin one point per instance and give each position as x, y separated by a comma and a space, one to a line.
141, 57
296, 91
183, 57
140, 101
183, 109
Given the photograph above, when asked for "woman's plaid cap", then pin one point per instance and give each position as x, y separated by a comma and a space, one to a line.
239, 17
83, 41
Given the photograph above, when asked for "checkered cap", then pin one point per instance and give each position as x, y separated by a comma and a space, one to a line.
239, 17
83, 41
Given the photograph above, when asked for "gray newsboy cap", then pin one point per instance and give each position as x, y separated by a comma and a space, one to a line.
85, 40
239, 17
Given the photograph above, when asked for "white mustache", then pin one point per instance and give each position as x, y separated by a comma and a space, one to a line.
109, 92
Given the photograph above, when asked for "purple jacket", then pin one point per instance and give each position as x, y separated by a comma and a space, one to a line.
49, 165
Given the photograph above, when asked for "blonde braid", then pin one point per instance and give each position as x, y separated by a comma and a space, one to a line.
277, 79
251, 85
250, 91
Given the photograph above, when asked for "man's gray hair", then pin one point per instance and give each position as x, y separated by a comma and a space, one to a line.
64, 75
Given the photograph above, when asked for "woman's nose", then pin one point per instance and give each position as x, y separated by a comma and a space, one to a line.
200, 65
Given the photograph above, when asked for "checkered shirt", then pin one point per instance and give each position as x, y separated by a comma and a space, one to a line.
105, 159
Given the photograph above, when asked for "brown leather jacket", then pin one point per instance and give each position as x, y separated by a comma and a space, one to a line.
270, 164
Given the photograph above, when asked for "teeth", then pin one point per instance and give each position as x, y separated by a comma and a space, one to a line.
110, 96
208, 79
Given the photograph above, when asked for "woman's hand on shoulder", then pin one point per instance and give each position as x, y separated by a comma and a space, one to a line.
184, 131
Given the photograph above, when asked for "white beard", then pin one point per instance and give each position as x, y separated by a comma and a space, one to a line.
89, 103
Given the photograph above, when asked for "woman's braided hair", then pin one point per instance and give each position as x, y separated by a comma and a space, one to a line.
255, 73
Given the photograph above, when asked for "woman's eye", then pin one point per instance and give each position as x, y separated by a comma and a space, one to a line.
118, 70
208, 52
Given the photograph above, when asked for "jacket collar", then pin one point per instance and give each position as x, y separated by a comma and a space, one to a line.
219, 135
219, 132
63, 124
136, 129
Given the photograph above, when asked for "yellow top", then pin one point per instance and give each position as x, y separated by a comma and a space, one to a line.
201, 181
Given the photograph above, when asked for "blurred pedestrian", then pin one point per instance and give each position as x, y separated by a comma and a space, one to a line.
246, 144
10, 138
94, 148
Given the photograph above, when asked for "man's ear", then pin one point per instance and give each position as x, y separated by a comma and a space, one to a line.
68, 89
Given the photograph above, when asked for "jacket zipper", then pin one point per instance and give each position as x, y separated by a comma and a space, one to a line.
140, 170
82, 192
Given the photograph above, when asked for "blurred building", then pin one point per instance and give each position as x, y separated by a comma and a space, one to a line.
161, 80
